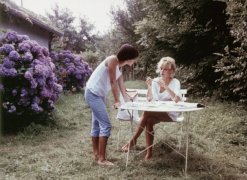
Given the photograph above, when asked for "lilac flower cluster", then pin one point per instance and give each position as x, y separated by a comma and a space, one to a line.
28, 81
71, 70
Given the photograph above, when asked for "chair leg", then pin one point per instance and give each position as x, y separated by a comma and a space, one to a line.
118, 134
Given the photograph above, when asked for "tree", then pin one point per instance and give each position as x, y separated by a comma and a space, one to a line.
125, 20
75, 39
63, 19
233, 63
124, 31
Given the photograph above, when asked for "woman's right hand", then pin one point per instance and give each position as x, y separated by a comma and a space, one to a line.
149, 92
117, 105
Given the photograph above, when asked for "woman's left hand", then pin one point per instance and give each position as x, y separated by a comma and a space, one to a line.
162, 84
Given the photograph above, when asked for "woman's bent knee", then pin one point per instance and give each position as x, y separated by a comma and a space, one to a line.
106, 131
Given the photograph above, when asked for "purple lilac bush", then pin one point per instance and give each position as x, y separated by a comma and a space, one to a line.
72, 71
28, 82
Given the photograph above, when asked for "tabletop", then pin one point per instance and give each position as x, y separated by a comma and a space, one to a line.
161, 106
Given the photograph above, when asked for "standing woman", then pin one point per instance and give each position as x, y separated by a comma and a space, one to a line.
107, 77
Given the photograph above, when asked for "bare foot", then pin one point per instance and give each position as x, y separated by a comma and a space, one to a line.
128, 146
148, 157
105, 163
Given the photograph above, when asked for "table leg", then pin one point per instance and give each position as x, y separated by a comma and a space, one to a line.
187, 142
131, 129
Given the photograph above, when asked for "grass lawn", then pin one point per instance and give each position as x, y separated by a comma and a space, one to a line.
217, 148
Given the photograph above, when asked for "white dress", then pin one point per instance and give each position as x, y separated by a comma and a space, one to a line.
175, 86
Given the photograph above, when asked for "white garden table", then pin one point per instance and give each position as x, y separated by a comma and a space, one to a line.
164, 106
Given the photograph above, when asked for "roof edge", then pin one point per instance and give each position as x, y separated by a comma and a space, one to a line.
27, 16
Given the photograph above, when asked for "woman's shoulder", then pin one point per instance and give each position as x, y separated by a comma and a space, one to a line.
175, 80
111, 57
156, 79
155, 82
111, 60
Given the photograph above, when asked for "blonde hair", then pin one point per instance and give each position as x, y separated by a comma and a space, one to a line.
165, 61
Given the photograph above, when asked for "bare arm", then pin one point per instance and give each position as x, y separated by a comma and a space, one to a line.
149, 92
112, 65
171, 92
123, 89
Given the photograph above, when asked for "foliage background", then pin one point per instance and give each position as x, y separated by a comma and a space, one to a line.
209, 46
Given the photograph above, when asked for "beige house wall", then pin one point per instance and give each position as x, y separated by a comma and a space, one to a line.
25, 28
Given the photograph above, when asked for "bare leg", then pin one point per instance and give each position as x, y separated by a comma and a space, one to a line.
149, 139
95, 143
150, 122
138, 132
102, 152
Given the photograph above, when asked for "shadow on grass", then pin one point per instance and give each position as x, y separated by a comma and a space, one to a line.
200, 166
13, 124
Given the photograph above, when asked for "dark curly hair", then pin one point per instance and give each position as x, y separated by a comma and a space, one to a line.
127, 52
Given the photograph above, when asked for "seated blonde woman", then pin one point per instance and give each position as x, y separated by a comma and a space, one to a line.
163, 88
